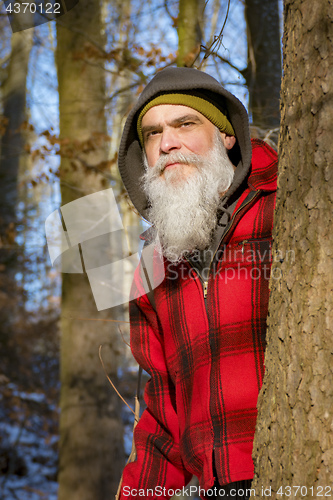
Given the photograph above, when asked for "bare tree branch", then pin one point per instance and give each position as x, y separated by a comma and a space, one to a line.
226, 61
216, 43
173, 18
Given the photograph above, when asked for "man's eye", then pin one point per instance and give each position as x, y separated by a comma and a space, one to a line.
152, 133
187, 124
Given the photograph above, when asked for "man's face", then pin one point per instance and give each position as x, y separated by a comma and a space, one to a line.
187, 169
170, 128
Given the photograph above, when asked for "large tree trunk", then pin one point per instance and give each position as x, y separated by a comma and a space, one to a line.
91, 443
294, 441
263, 73
189, 31
13, 95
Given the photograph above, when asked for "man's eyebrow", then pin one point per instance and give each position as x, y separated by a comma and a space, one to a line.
150, 128
177, 121
185, 118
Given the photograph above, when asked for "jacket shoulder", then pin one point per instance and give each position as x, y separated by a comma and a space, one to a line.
264, 166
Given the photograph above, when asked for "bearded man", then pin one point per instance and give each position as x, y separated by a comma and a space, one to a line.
185, 159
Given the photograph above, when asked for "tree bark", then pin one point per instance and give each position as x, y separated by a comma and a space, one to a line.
91, 436
189, 31
294, 440
263, 72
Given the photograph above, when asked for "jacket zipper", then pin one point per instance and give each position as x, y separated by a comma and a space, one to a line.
205, 287
205, 283
223, 238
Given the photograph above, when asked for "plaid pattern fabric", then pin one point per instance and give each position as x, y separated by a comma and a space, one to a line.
206, 356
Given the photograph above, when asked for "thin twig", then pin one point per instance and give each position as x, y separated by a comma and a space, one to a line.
13, 493
97, 319
168, 11
123, 89
223, 59
270, 132
216, 43
112, 384
123, 338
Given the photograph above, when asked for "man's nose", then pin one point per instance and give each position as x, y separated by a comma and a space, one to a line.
169, 140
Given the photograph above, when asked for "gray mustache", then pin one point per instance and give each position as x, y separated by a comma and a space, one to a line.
176, 157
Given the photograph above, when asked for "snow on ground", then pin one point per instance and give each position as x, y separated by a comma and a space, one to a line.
28, 446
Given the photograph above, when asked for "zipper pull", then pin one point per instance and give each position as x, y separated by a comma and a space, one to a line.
243, 244
205, 288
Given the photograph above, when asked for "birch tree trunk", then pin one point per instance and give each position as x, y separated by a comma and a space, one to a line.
294, 441
91, 437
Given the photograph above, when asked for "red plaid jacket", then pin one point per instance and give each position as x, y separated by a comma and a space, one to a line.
205, 356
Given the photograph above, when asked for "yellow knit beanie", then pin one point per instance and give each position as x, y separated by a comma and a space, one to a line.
206, 108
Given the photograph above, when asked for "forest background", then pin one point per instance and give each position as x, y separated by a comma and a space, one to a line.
66, 88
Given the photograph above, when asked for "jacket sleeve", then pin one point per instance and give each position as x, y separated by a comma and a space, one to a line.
158, 468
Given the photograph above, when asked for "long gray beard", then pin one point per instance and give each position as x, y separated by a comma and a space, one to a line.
184, 210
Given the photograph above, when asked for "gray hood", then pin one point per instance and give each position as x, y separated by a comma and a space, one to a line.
174, 80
